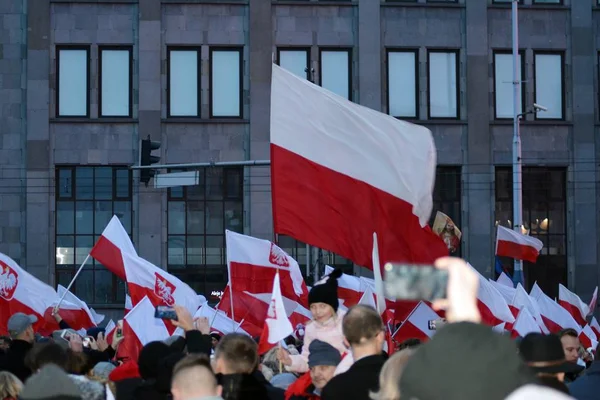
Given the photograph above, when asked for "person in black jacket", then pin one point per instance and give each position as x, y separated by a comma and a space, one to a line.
20, 328
364, 330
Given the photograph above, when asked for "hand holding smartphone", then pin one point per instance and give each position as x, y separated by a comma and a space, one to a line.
165, 312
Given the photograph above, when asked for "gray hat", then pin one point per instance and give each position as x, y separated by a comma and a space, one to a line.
103, 369
57, 337
19, 322
322, 353
50, 383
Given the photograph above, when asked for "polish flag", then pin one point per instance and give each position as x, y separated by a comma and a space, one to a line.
341, 171
128, 304
593, 302
111, 245
22, 292
555, 317
368, 298
277, 325
500, 328
492, 306
220, 322
87, 318
417, 324
588, 338
146, 280
515, 245
595, 326
253, 264
503, 279
522, 300
573, 304
110, 331
525, 324
140, 328
98, 318
507, 292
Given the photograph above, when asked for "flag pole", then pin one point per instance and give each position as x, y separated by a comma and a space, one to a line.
230, 294
72, 281
213, 319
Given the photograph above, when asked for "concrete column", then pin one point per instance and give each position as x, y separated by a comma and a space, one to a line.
258, 179
478, 171
150, 216
583, 251
370, 58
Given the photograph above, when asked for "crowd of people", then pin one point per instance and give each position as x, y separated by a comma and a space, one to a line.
340, 356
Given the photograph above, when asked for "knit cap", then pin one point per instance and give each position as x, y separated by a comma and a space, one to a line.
325, 291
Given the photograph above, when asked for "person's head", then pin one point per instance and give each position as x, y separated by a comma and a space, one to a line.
236, 354
323, 359
43, 354
323, 298
102, 370
409, 344
390, 375
193, 378
150, 357
20, 327
4, 342
215, 337
50, 383
363, 329
570, 344
77, 363
545, 356
10, 385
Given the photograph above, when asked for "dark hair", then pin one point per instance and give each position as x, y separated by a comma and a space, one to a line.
46, 353
361, 323
568, 332
77, 363
239, 352
409, 344
150, 357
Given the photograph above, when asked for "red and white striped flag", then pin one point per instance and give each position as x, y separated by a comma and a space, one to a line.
277, 325
221, 322
555, 317
128, 304
595, 326
417, 324
522, 300
573, 304
593, 302
111, 245
525, 324
588, 338
492, 306
515, 245
503, 279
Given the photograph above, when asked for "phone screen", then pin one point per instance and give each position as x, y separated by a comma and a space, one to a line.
165, 312
415, 282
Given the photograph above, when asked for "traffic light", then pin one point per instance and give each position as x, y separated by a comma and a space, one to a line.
146, 158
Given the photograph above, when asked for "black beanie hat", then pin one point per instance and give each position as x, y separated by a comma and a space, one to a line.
325, 291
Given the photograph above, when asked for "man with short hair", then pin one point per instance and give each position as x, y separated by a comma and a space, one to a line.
323, 359
570, 342
194, 379
364, 333
236, 363
20, 329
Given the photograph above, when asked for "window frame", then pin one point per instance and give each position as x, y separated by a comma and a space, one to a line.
71, 270
349, 51
240, 51
456, 52
539, 3
300, 48
77, 47
415, 51
198, 50
129, 49
561, 54
439, 198
522, 54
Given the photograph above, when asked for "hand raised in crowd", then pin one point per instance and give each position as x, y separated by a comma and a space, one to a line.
93, 343
202, 325
463, 284
284, 357
101, 342
117, 336
56, 315
184, 319
76, 343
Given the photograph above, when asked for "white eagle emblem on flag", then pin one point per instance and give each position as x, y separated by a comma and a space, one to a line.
8, 282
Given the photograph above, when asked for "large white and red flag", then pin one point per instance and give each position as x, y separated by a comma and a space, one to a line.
88, 316
505, 280
145, 279
277, 325
593, 302
588, 338
507, 292
417, 324
111, 245
254, 262
573, 304
128, 303
555, 317
525, 324
140, 328
492, 305
595, 326
22, 292
523, 300
512, 244
222, 323
341, 171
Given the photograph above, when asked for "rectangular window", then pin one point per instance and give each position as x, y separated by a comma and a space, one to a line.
559, 2
86, 200
226, 71
115, 81
544, 217
402, 76
447, 196
183, 82
335, 71
72, 81
549, 87
297, 61
503, 86
197, 217
443, 84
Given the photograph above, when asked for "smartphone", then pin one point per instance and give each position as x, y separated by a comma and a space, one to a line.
87, 341
65, 335
119, 332
435, 324
165, 312
415, 282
